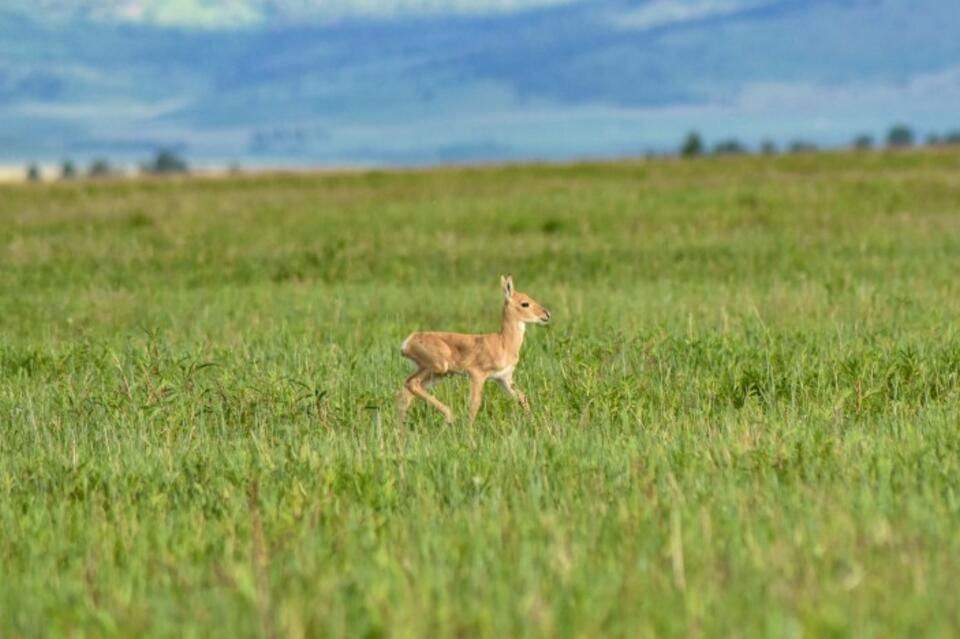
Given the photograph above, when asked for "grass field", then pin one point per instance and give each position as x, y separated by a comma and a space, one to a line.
746, 414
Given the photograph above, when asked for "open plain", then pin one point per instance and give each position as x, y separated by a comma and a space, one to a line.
745, 412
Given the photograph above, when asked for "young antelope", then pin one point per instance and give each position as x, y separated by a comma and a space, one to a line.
480, 357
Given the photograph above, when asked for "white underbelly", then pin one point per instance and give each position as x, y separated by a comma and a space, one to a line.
503, 373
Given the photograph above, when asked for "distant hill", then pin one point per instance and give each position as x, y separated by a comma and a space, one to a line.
561, 79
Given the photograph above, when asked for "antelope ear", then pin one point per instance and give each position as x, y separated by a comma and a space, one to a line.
507, 284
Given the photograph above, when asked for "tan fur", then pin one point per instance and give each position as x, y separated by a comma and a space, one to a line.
480, 357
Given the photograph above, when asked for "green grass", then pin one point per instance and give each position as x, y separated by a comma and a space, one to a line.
745, 415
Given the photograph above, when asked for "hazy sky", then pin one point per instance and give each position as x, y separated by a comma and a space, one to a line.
409, 81
230, 14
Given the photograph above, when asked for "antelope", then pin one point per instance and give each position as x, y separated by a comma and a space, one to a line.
480, 357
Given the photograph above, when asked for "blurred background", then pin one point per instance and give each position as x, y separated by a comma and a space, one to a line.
98, 86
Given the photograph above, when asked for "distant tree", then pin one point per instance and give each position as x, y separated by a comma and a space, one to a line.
99, 168
802, 146
768, 147
952, 138
692, 145
68, 170
863, 142
934, 140
729, 147
166, 162
33, 173
899, 136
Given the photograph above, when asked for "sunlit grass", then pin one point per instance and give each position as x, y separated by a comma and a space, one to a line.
745, 414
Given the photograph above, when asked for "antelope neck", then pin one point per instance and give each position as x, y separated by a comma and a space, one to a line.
511, 331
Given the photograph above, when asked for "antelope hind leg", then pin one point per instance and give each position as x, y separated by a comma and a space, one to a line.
414, 384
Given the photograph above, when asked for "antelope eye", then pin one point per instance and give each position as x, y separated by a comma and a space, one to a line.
524, 304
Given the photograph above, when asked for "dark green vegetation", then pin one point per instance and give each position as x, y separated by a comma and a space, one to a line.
745, 416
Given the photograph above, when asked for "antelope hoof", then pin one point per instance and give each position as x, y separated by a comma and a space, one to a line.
522, 400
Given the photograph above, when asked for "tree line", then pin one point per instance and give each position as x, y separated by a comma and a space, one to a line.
169, 162
164, 162
899, 136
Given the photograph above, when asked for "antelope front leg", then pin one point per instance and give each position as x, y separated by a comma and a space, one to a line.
521, 399
476, 395
511, 389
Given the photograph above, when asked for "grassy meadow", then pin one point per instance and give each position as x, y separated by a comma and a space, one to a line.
746, 414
